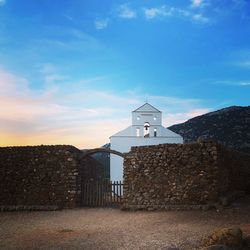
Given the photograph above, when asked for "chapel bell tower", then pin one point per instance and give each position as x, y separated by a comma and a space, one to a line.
146, 121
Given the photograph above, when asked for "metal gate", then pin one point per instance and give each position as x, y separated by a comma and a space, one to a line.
102, 193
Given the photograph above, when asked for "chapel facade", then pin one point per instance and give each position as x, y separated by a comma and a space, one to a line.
146, 129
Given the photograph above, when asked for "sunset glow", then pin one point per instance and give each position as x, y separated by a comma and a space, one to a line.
71, 73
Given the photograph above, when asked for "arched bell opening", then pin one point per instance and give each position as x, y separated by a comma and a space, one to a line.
146, 129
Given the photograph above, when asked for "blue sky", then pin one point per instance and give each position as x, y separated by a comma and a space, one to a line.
72, 70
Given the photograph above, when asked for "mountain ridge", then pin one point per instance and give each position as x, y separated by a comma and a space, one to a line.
229, 126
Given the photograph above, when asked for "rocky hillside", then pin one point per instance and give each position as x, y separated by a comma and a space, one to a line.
104, 160
229, 126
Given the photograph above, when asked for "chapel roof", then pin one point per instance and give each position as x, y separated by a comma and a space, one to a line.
146, 107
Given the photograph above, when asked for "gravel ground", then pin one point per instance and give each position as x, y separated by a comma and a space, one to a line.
114, 229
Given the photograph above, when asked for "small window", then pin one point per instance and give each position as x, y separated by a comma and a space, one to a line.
155, 118
155, 132
137, 132
138, 118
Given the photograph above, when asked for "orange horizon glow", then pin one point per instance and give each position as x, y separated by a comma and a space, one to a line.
9, 140
81, 117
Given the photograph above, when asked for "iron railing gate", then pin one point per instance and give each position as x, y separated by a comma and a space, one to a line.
101, 193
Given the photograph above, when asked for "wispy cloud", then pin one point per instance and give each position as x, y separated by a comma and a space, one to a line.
199, 3
74, 114
163, 11
167, 100
233, 83
177, 110
124, 11
180, 117
64, 41
196, 3
51, 74
101, 24
244, 83
200, 18
10, 84
79, 116
196, 11
169, 11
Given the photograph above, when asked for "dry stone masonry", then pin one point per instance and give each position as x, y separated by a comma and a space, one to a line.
167, 176
238, 164
43, 177
175, 176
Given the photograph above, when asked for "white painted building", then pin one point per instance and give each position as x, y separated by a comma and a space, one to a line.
146, 129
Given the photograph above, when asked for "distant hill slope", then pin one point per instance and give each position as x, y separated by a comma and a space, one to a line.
229, 126
104, 159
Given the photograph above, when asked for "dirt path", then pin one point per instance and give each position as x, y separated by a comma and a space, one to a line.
114, 229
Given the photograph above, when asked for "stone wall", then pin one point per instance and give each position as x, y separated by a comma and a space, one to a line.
168, 176
175, 176
238, 164
43, 177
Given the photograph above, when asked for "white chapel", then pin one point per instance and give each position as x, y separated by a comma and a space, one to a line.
146, 129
